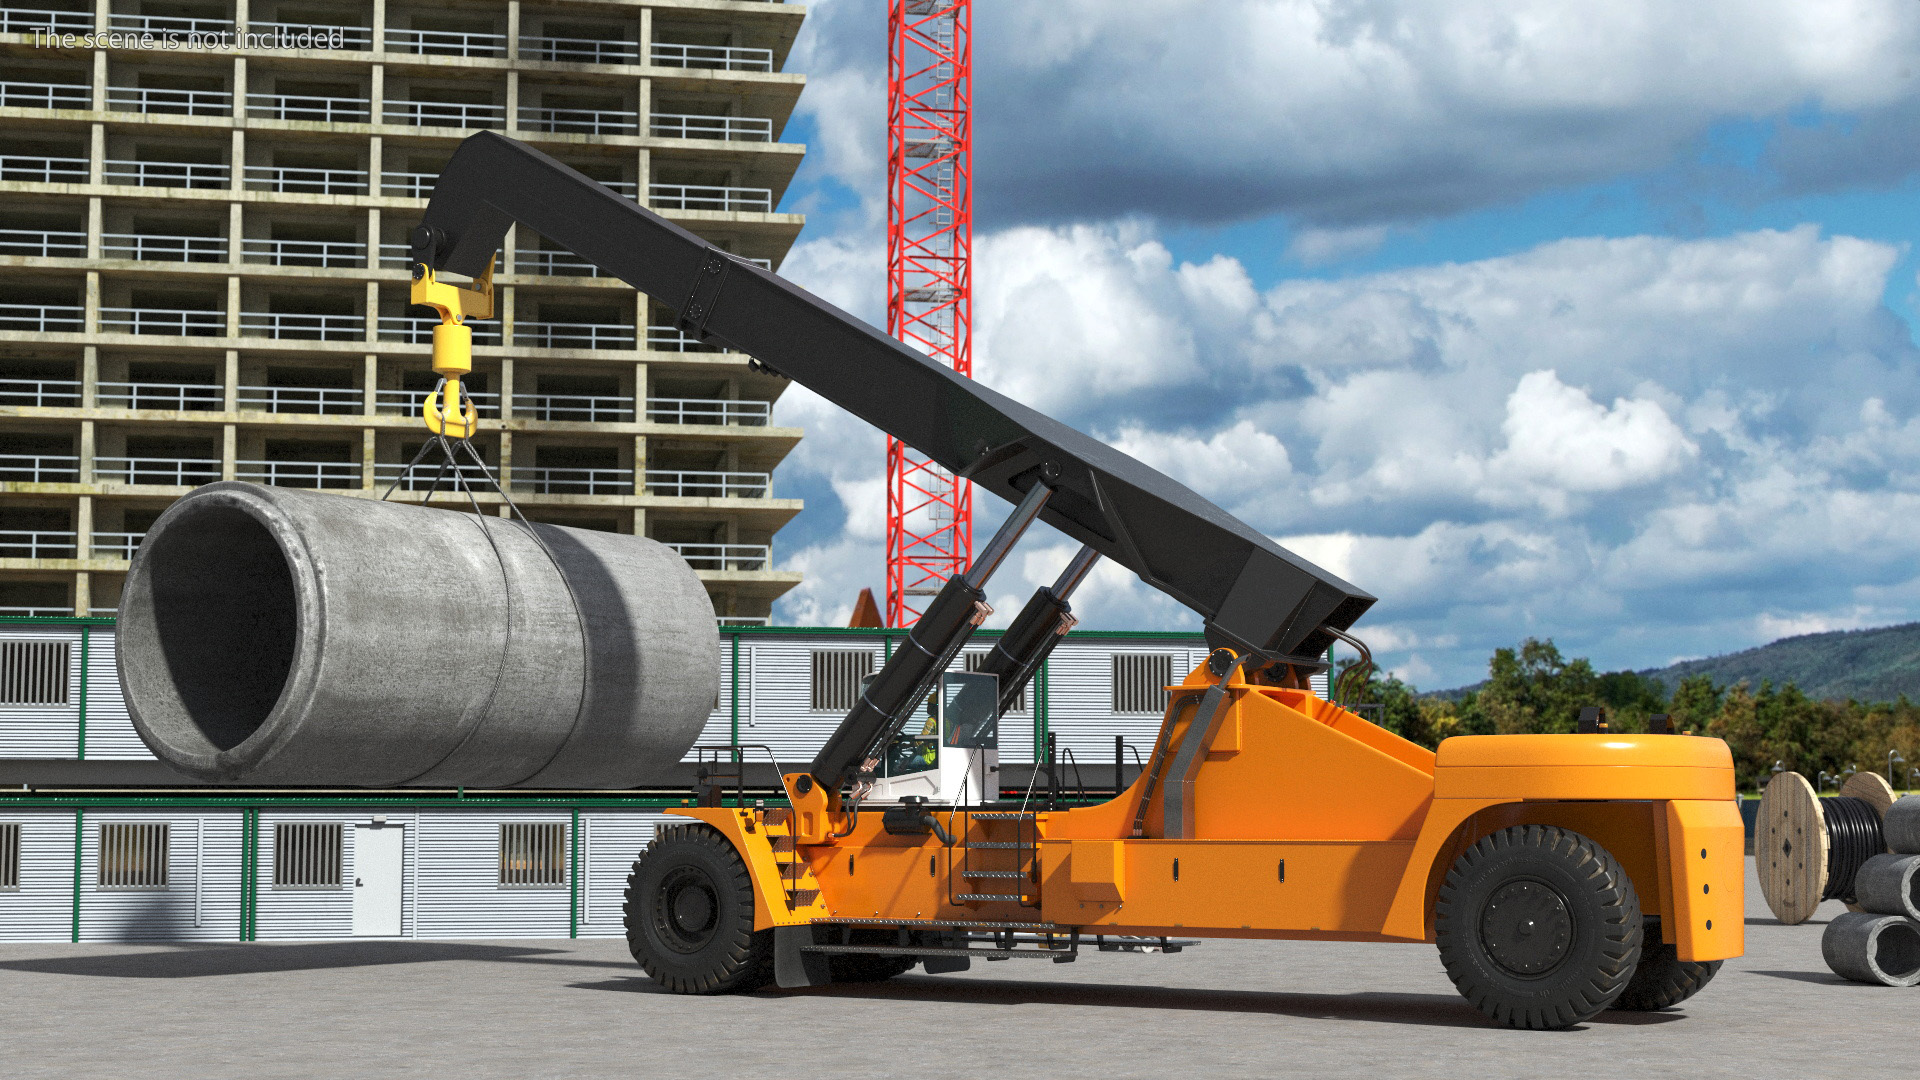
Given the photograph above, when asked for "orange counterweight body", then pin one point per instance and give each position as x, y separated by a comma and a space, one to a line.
1301, 820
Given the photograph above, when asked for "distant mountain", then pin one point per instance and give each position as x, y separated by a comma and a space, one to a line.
1869, 665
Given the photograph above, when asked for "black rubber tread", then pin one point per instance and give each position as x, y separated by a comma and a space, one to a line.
1662, 980
1602, 909
737, 958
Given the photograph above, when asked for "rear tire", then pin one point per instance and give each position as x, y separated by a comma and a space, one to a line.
1662, 980
689, 915
1538, 927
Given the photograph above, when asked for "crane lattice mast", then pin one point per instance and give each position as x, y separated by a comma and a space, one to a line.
929, 277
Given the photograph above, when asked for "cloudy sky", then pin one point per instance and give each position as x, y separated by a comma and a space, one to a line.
1584, 320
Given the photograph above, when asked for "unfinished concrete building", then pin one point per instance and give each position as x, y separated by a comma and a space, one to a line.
203, 267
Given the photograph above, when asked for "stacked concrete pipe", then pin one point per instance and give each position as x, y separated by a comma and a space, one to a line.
277, 637
1880, 943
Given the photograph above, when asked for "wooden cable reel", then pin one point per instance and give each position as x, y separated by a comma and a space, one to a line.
1792, 843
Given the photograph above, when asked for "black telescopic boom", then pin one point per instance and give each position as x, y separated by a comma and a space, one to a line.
1254, 594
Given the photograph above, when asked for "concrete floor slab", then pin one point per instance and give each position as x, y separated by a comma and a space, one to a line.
522, 1009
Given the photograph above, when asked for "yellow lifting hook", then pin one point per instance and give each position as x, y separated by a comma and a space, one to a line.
448, 410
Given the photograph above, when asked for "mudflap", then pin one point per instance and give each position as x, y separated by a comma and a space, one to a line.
793, 967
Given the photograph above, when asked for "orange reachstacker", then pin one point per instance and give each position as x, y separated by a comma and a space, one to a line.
1303, 821
1560, 875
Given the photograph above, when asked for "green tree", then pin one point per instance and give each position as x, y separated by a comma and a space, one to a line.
1534, 690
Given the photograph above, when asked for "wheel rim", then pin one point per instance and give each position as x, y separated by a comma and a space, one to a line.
1526, 928
686, 909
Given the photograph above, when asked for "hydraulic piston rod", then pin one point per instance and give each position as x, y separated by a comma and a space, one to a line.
929, 648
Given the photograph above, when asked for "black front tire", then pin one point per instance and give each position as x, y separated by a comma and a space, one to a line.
1538, 927
689, 915
1662, 980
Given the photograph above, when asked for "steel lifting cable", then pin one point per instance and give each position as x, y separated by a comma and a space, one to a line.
450, 461
1853, 837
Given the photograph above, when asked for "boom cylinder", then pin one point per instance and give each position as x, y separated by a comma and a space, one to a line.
284, 637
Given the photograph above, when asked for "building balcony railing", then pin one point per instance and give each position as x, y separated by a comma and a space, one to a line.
37, 544
580, 121
555, 481
306, 181
306, 474
43, 318
582, 408
26, 20
743, 413
149, 248
170, 102
164, 24
323, 253
40, 393
550, 263
572, 335
16, 94
422, 476
671, 339
709, 485
178, 174
418, 330
726, 556
445, 114
179, 397
326, 110
713, 57
745, 620
300, 326
43, 244
175, 321
408, 402
116, 545
157, 471
36, 612
408, 185
446, 43
730, 128
32, 169
563, 50
40, 468
325, 400
359, 38
701, 197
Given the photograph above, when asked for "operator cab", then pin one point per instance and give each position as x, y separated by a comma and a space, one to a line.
948, 750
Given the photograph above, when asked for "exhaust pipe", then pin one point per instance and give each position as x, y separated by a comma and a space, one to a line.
270, 636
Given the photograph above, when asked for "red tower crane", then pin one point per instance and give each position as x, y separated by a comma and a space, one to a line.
929, 277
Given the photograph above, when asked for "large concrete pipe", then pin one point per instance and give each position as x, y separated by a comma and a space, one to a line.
1889, 885
1901, 825
1870, 948
285, 637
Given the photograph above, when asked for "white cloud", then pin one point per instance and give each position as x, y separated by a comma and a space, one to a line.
1641, 446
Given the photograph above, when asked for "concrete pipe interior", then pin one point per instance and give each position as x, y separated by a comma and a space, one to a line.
1895, 950
224, 608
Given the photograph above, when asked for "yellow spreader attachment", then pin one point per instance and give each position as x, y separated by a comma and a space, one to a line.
448, 410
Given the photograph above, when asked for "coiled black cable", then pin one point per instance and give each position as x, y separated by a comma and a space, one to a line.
1853, 837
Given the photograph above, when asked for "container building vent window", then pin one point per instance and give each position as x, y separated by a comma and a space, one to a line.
836, 677
306, 856
533, 854
977, 660
133, 856
1140, 682
34, 672
9, 856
